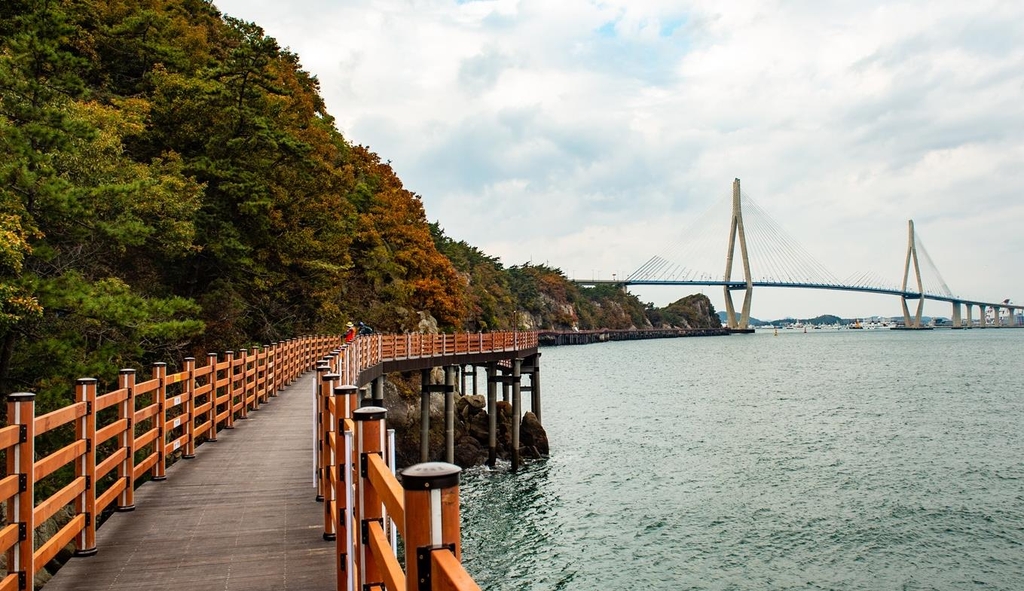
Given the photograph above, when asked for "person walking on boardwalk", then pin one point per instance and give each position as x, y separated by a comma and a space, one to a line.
350, 334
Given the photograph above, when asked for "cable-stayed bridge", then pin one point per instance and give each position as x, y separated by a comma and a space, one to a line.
761, 254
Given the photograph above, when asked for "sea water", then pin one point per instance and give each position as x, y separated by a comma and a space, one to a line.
854, 460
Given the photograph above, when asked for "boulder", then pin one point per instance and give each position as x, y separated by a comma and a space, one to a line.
478, 427
469, 452
532, 434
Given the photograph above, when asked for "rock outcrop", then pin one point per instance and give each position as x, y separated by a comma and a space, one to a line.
401, 397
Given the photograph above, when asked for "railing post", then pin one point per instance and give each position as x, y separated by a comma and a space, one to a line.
322, 368
344, 355
244, 378
345, 543
190, 409
349, 404
431, 518
230, 422
252, 356
160, 469
327, 452
369, 424
126, 412
272, 369
268, 372
85, 466
21, 461
341, 477
211, 358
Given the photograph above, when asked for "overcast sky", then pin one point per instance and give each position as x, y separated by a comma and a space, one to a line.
589, 135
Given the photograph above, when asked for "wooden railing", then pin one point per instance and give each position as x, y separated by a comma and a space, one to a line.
137, 429
369, 351
366, 508
124, 435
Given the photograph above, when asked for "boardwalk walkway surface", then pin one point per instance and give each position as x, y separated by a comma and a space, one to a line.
241, 516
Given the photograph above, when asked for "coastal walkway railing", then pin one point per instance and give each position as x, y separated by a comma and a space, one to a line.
134, 432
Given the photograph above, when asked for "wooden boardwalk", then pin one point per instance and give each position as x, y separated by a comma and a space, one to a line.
241, 516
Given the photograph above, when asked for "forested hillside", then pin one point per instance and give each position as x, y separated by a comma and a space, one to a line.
171, 183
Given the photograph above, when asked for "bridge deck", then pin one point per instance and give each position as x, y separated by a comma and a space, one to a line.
240, 516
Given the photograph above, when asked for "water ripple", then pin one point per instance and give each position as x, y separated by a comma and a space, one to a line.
821, 461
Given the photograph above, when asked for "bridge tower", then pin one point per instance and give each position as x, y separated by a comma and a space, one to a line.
736, 229
914, 322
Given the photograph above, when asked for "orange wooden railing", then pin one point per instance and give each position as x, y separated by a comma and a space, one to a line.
365, 506
155, 420
368, 351
364, 503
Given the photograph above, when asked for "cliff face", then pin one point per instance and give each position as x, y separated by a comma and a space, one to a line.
570, 307
693, 311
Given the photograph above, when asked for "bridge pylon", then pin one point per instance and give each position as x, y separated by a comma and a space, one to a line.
914, 322
736, 230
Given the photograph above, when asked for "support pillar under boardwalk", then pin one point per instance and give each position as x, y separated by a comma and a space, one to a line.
378, 392
492, 414
425, 415
449, 414
517, 411
535, 388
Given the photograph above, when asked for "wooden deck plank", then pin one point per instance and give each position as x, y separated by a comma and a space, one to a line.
241, 516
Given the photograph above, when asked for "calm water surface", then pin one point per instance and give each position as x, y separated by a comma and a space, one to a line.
857, 460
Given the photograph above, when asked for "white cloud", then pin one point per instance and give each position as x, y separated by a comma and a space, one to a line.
587, 134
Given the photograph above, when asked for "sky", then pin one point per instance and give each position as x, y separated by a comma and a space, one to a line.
593, 135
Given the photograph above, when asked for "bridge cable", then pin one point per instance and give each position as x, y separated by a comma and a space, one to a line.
686, 254
797, 262
933, 271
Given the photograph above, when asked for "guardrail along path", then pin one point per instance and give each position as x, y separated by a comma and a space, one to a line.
240, 516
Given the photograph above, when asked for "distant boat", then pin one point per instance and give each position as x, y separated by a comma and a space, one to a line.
856, 325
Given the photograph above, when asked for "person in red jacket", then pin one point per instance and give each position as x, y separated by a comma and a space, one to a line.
350, 334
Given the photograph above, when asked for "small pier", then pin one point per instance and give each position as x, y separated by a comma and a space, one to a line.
586, 337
